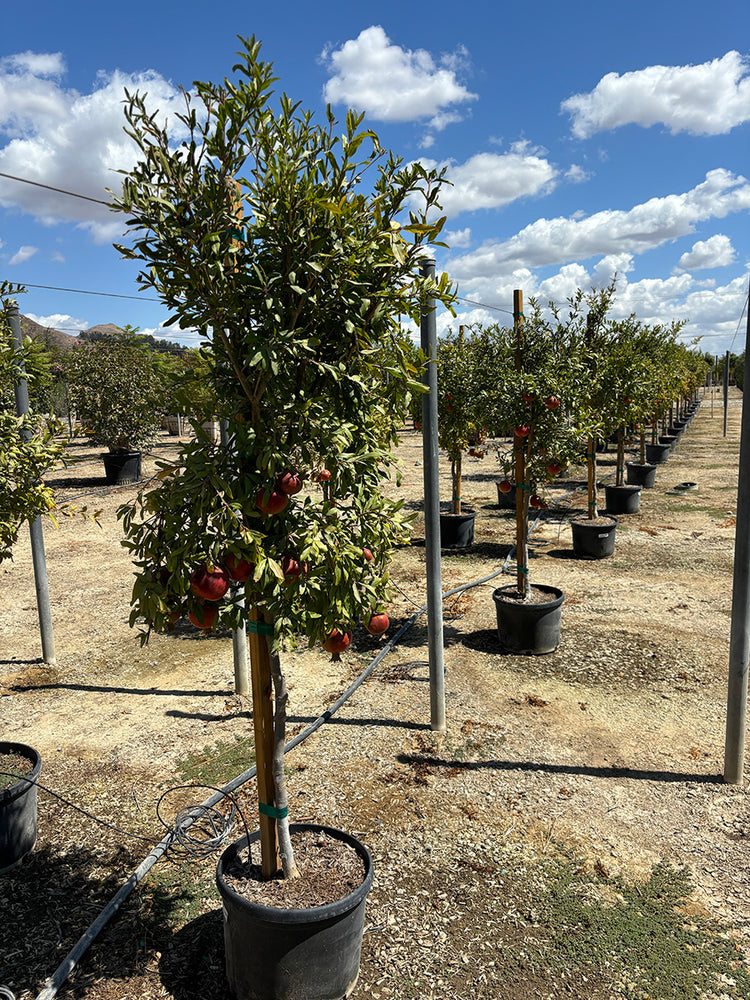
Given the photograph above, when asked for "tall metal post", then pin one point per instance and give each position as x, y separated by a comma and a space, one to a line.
41, 583
428, 331
739, 640
239, 634
726, 390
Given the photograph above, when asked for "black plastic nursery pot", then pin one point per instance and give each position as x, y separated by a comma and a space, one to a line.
285, 954
594, 539
122, 467
18, 808
640, 474
457, 530
668, 439
623, 499
529, 628
657, 454
507, 501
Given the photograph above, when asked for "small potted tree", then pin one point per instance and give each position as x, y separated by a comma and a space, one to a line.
649, 366
259, 229
460, 383
595, 413
532, 375
117, 388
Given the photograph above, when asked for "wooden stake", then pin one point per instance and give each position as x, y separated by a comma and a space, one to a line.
260, 672
591, 461
522, 499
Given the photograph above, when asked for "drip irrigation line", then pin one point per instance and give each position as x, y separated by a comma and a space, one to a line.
80, 809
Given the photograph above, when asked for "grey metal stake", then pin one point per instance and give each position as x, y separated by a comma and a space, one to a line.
739, 639
428, 331
726, 390
239, 635
41, 583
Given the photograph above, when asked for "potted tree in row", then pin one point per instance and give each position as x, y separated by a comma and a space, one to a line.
461, 377
533, 378
292, 245
117, 388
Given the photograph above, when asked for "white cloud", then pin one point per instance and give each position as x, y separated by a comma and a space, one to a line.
457, 237
69, 140
558, 241
709, 99
576, 174
23, 254
36, 63
717, 251
711, 311
393, 84
491, 180
60, 321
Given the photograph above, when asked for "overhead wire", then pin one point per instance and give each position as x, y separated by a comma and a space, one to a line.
739, 321
49, 187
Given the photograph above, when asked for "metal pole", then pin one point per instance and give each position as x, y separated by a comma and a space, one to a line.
739, 641
41, 583
239, 634
726, 390
428, 331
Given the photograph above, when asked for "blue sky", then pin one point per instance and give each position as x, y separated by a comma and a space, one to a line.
582, 139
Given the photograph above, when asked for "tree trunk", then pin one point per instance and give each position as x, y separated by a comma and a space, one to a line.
456, 478
281, 692
620, 457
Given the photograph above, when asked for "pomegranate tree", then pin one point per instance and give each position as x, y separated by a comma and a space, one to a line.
294, 246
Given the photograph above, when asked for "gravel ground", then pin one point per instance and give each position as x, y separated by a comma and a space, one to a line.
601, 760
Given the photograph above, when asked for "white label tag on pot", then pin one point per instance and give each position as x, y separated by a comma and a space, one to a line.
604, 534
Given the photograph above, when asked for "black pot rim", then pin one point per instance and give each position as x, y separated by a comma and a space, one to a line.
313, 914
30, 754
465, 514
640, 465
121, 453
582, 520
498, 596
627, 487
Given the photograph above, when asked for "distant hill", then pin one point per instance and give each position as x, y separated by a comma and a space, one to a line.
102, 331
54, 338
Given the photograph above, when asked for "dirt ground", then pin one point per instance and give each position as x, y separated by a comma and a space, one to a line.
611, 748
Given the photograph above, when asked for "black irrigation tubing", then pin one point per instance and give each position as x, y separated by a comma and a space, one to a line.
58, 978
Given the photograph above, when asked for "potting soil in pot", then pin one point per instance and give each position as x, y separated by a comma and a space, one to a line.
16, 764
329, 869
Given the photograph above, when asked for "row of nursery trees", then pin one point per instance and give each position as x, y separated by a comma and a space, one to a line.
558, 383
295, 248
